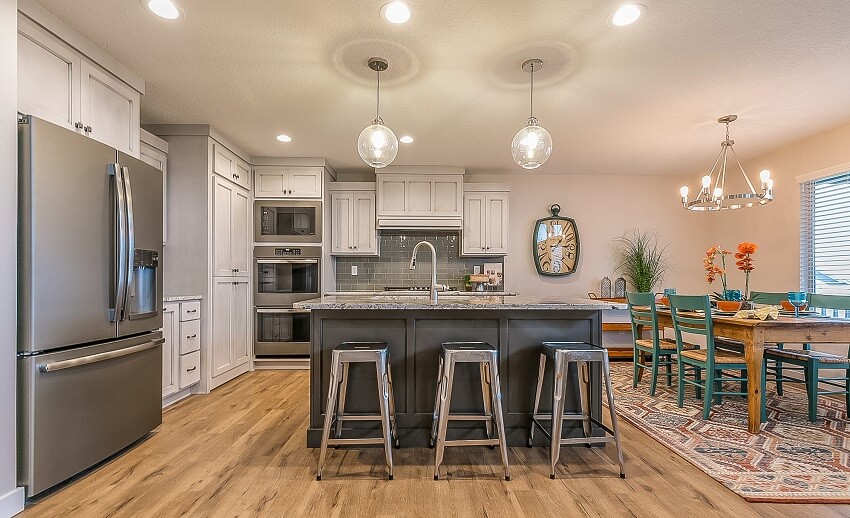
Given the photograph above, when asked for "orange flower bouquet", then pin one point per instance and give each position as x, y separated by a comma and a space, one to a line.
744, 262
711, 269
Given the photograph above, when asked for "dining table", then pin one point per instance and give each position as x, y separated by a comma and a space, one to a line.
754, 334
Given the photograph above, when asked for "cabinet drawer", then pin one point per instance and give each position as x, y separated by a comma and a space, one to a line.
190, 310
190, 369
190, 336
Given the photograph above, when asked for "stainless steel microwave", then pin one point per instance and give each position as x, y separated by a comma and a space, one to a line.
278, 221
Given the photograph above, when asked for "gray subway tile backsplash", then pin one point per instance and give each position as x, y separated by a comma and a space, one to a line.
392, 267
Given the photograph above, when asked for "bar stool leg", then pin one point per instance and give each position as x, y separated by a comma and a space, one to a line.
435, 416
558, 397
541, 371
396, 442
343, 389
487, 396
583, 369
496, 394
443, 421
606, 371
383, 398
330, 411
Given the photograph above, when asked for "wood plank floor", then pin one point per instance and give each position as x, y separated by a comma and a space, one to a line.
240, 451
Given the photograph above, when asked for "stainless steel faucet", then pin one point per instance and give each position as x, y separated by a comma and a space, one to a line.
433, 293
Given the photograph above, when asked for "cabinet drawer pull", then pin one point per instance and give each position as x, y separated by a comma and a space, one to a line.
192, 336
193, 368
191, 311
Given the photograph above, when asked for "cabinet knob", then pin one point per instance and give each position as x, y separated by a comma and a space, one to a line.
88, 129
78, 125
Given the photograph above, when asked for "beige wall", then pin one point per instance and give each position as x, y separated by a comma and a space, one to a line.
776, 226
604, 207
11, 497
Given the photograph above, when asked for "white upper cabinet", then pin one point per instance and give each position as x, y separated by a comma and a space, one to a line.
288, 182
154, 151
231, 251
109, 109
61, 85
485, 220
419, 199
353, 211
227, 165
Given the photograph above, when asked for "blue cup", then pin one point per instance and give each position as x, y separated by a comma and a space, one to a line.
733, 295
798, 299
669, 291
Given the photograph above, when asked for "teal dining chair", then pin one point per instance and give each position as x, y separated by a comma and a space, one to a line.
692, 314
813, 361
657, 349
776, 371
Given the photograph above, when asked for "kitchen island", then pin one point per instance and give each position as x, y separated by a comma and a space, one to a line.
414, 329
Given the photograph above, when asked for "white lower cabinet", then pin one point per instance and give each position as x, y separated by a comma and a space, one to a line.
230, 352
181, 351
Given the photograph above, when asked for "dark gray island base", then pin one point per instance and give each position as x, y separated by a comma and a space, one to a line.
415, 330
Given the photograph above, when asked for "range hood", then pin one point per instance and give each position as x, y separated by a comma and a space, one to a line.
419, 198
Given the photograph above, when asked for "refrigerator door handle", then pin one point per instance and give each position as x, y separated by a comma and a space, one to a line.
131, 240
94, 358
116, 312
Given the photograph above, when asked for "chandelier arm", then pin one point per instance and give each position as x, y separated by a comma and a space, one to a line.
747, 178
714, 167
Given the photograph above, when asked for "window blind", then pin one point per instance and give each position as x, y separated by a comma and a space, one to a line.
825, 235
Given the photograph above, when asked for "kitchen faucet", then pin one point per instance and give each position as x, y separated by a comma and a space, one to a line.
433, 293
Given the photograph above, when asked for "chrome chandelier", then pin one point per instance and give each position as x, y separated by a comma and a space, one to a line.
716, 198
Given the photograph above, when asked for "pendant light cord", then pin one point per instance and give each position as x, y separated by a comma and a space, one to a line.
378, 104
531, 107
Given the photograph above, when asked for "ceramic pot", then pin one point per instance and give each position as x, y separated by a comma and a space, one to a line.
729, 305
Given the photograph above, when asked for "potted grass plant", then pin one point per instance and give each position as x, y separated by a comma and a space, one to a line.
641, 259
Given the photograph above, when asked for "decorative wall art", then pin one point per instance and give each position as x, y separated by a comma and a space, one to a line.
555, 244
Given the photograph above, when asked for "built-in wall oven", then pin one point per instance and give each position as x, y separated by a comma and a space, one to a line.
278, 221
284, 276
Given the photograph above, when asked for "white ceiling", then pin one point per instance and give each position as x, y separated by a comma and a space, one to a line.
641, 99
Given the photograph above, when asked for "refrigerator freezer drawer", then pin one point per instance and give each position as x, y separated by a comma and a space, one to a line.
77, 407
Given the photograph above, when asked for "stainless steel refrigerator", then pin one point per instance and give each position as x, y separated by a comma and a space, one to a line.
89, 302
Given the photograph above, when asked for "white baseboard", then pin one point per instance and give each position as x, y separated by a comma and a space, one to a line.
177, 396
12, 502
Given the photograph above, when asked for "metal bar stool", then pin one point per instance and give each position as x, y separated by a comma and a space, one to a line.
343, 355
583, 354
487, 357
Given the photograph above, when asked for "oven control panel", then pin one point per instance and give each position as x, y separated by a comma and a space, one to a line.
288, 252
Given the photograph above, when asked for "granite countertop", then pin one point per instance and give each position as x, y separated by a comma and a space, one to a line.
421, 293
179, 298
383, 301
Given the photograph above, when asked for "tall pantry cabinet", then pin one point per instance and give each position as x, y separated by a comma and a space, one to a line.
209, 239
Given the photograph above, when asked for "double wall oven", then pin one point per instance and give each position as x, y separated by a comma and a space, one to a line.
284, 275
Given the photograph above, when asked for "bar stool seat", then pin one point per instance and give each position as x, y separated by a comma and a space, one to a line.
343, 355
583, 355
487, 357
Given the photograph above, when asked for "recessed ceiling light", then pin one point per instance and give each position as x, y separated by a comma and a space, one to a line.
396, 12
163, 8
627, 14
407, 139
284, 138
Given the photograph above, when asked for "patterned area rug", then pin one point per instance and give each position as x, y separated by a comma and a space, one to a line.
791, 460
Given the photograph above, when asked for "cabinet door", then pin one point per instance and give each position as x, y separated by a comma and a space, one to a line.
496, 223
419, 197
305, 182
153, 156
48, 77
224, 162
240, 313
221, 357
243, 173
109, 109
392, 195
240, 251
365, 236
270, 183
474, 234
170, 348
222, 230
448, 196
342, 212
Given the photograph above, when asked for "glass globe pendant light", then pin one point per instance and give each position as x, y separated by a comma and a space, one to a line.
532, 145
377, 145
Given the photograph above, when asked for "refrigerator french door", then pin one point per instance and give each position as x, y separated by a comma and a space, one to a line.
90, 302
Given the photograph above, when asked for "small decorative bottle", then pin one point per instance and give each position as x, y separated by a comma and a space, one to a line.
620, 288
605, 288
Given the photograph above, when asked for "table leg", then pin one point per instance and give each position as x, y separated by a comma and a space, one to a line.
754, 356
